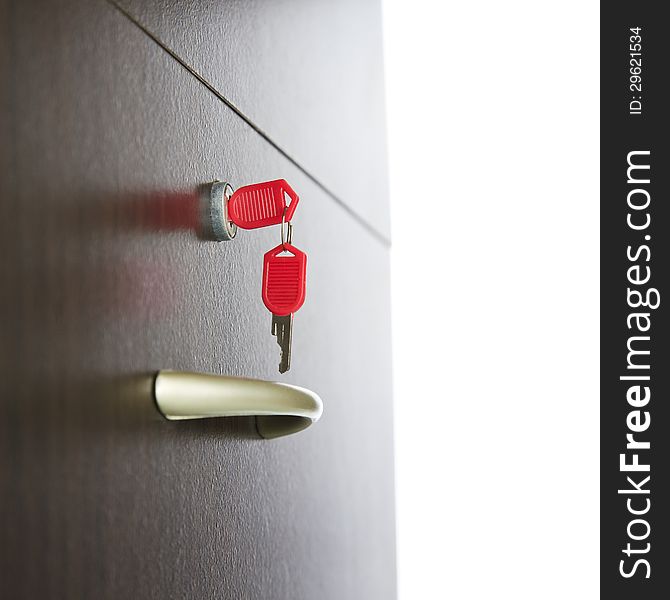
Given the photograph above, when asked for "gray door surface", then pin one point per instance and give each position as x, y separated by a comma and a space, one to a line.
106, 138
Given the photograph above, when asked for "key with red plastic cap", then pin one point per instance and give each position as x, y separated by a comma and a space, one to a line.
262, 204
284, 275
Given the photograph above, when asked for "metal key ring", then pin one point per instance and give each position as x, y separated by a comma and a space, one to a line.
286, 238
228, 190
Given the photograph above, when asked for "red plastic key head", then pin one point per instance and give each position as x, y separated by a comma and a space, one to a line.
284, 274
262, 204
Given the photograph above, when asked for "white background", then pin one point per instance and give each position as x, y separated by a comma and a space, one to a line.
493, 120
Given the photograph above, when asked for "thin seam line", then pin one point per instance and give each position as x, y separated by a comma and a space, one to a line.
363, 222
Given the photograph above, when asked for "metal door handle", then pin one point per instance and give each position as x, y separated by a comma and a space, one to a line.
280, 409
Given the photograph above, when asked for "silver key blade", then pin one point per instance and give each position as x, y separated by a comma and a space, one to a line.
281, 328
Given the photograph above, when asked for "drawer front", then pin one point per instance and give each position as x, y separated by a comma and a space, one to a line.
308, 74
106, 282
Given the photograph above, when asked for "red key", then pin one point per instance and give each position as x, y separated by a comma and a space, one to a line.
262, 204
284, 279
283, 293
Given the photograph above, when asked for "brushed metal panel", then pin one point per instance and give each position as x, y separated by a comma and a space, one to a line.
104, 281
307, 73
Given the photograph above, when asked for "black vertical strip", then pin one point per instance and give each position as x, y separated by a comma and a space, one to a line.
634, 271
